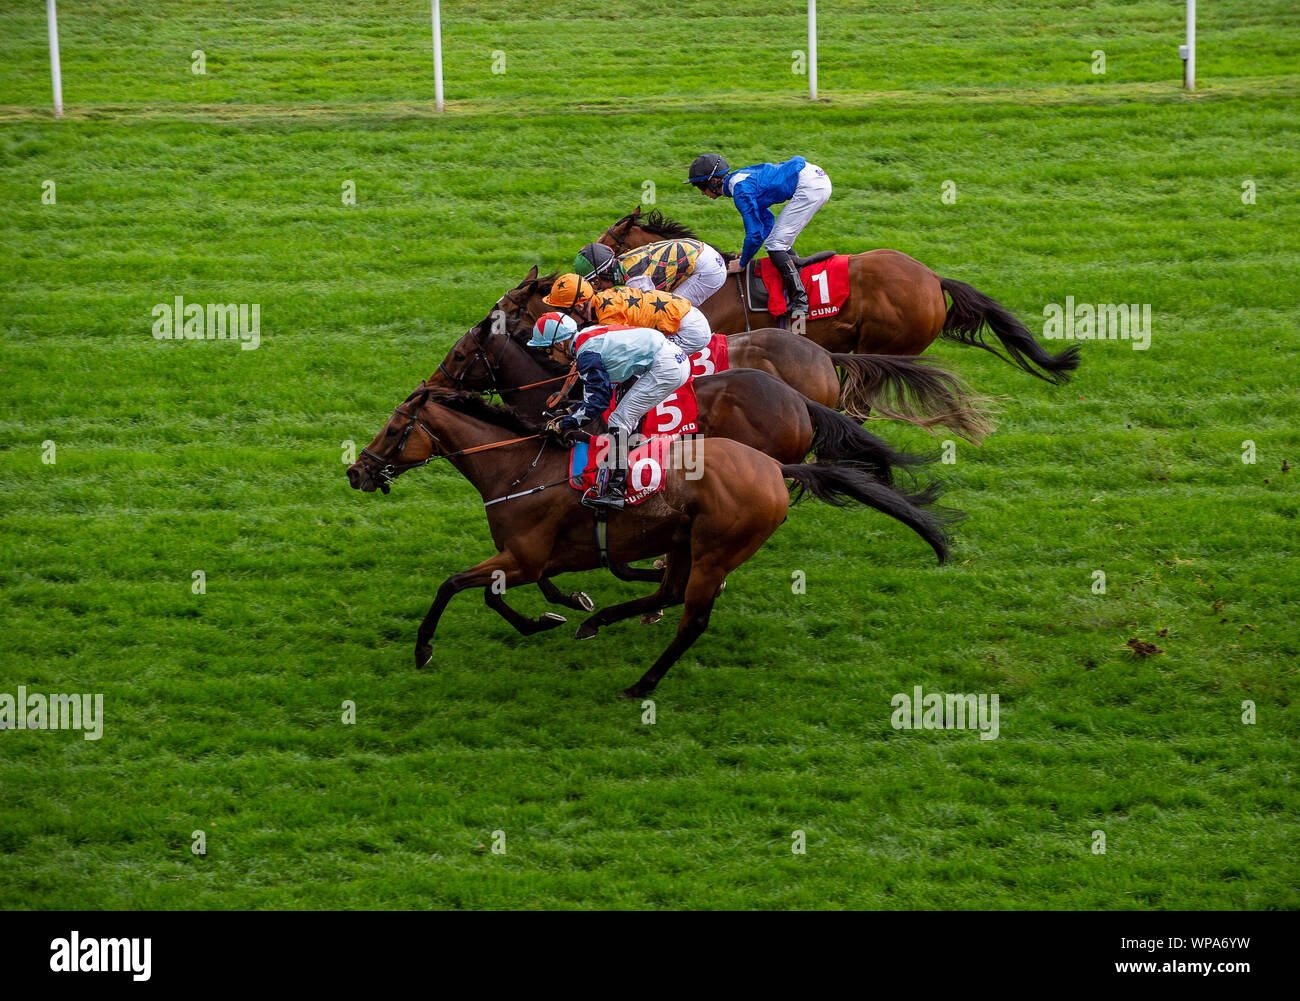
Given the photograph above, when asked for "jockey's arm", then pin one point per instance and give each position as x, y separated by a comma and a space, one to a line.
758, 223
642, 283
597, 391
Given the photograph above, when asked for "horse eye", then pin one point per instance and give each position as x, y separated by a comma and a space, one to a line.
390, 432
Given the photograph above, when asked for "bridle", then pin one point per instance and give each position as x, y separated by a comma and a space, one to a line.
490, 366
385, 469
620, 244
481, 353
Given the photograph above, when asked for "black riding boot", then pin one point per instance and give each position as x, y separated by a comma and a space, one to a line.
611, 480
796, 298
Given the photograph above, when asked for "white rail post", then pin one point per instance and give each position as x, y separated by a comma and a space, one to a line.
812, 50
437, 55
56, 74
1188, 51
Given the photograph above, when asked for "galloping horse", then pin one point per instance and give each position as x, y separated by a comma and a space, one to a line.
742, 404
895, 388
896, 306
708, 525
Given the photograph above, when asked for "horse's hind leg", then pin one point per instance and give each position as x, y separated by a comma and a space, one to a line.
701, 592
578, 599
671, 592
525, 625
625, 572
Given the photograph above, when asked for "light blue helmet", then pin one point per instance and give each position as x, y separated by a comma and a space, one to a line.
552, 328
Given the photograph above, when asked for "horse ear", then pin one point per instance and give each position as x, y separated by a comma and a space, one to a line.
532, 274
636, 212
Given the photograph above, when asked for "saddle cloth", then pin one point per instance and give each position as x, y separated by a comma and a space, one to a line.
645, 469
712, 358
678, 414
825, 276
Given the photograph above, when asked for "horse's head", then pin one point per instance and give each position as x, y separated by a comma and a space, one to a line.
618, 237
515, 312
636, 230
403, 443
474, 361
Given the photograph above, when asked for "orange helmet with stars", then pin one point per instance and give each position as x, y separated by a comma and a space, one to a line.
568, 291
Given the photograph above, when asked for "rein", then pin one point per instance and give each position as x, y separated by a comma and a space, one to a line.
386, 470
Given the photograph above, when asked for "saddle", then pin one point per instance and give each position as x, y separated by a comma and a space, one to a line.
756, 291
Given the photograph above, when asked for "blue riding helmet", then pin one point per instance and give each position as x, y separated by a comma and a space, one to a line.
552, 328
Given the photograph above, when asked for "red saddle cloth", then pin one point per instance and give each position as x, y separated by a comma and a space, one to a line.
678, 414
645, 466
827, 283
713, 358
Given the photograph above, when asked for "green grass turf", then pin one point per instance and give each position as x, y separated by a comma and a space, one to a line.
223, 709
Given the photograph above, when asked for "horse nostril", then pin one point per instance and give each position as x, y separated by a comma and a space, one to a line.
354, 477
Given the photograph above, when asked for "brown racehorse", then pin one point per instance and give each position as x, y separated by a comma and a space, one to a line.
896, 306
707, 524
895, 388
742, 404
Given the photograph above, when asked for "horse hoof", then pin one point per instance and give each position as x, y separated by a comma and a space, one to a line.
550, 620
583, 599
629, 693
585, 631
660, 563
650, 618
423, 654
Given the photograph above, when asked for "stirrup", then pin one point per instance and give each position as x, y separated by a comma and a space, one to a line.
592, 499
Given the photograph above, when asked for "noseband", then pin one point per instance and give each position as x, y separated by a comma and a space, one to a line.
385, 469
619, 244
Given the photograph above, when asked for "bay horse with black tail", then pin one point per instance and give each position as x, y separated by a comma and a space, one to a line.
896, 388
708, 525
743, 404
896, 306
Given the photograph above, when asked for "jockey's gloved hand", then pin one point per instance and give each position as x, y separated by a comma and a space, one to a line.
565, 430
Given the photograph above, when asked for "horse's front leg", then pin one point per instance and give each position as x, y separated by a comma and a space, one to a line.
578, 599
483, 575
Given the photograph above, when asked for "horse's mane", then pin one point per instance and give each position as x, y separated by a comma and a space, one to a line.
521, 337
472, 405
656, 222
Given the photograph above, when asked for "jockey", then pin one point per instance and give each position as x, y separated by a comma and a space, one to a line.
605, 357
754, 190
670, 314
690, 268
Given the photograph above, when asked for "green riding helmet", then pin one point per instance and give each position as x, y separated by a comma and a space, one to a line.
596, 260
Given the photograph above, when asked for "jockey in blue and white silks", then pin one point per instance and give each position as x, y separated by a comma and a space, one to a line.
754, 190
606, 356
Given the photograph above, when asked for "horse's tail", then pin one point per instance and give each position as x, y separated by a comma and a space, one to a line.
971, 311
837, 438
909, 389
839, 483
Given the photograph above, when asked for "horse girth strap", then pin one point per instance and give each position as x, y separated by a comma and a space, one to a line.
602, 537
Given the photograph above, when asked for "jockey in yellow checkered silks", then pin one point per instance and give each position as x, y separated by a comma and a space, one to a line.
690, 268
